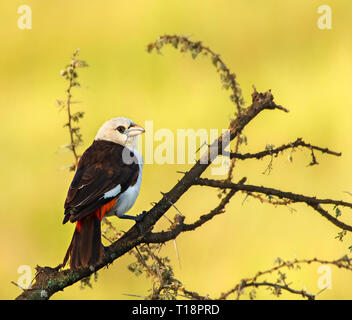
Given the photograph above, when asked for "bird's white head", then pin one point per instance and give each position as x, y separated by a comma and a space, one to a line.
120, 130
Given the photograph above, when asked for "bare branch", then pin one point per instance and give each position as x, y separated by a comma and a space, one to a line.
294, 197
270, 152
179, 225
344, 262
277, 287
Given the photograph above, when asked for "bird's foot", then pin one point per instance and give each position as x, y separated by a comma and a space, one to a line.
141, 216
138, 218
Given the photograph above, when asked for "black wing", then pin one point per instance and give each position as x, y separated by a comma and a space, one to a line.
100, 169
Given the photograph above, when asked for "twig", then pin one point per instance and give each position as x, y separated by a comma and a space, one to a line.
294, 197
228, 78
70, 74
270, 152
343, 262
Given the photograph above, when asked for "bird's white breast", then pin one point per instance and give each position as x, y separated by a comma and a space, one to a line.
127, 199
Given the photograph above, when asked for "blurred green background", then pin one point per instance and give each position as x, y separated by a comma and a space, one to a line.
271, 44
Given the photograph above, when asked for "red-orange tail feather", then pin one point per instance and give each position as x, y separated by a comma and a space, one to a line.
86, 248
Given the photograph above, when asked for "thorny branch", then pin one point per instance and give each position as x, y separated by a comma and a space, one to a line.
179, 225
344, 262
274, 152
140, 239
228, 78
70, 74
313, 202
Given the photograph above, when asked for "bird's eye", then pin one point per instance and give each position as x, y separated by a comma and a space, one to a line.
121, 129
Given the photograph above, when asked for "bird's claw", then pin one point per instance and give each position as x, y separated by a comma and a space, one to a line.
141, 216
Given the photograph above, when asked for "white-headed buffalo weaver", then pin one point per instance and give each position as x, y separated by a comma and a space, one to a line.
106, 182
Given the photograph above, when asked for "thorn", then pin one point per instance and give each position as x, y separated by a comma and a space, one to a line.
200, 147
177, 254
176, 208
165, 216
17, 285
135, 295
349, 193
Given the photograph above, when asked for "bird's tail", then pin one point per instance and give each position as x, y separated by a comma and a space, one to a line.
86, 248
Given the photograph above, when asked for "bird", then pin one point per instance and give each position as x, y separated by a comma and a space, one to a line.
107, 182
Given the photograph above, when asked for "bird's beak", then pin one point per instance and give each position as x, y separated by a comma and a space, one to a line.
135, 130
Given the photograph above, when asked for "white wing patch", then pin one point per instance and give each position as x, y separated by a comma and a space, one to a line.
113, 192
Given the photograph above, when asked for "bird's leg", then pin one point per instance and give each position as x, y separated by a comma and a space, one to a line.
137, 218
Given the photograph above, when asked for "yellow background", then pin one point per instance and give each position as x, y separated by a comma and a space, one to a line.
271, 44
